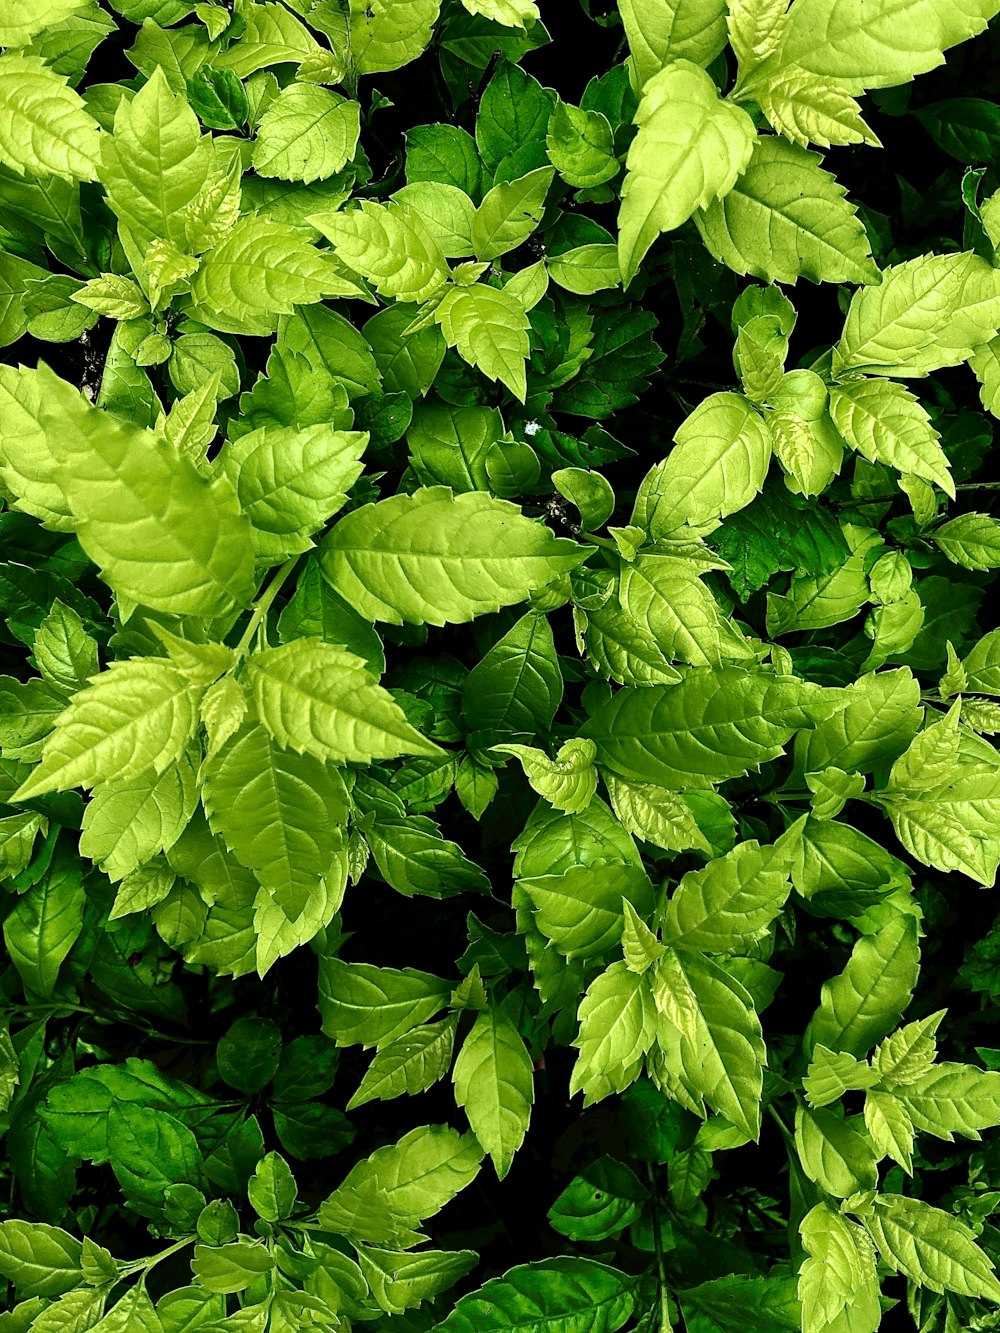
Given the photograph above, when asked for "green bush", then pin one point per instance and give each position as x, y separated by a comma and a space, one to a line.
527, 659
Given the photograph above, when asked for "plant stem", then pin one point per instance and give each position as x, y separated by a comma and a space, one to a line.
144, 1265
661, 1272
264, 604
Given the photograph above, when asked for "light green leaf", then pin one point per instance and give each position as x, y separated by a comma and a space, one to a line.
64, 652
931, 1247
382, 1197
832, 1073
138, 714
970, 540
880, 719
666, 597
306, 134
509, 213
717, 723
906, 1055
865, 1001
158, 169
282, 814
949, 1099
493, 1082
886, 424
889, 1127
730, 903
838, 1273
661, 31
617, 1026
787, 218
580, 145
385, 35
718, 464
640, 946
128, 822
320, 700
446, 211
291, 481
721, 1049
511, 13
39, 1259
411, 1063
274, 36
390, 245
489, 329
18, 28
374, 1005
42, 927
265, 269
45, 128
581, 911
562, 1295
925, 313
568, 782
808, 108
865, 46
833, 1154
441, 558
690, 148
661, 817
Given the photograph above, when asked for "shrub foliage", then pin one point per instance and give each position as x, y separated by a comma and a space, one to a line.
495, 755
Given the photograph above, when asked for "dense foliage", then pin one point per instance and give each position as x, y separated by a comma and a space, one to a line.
527, 658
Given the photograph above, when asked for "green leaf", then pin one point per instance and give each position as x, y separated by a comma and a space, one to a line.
580, 145
666, 597
581, 911
384, 37
40, 1260
382, 1197
865, 1001
931, 1247
717, 466
600, 1202
890, 1127
731, 1302
306, 134
493, 1083
374, 1005
400, 1281
138, 714
489, 330
517, 684
149, 1150
661, 817
717, 723
274, 36
886, 424
411, 1063
230, 1268
17, 29
907, 1055
509, 213
562, 1295
45, 128
730, 903
441, 558
876, 46
690, 148
63, 650
617, 1026
787, 218
413, 857
320, 700
661, 31
390, 245
511, 13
